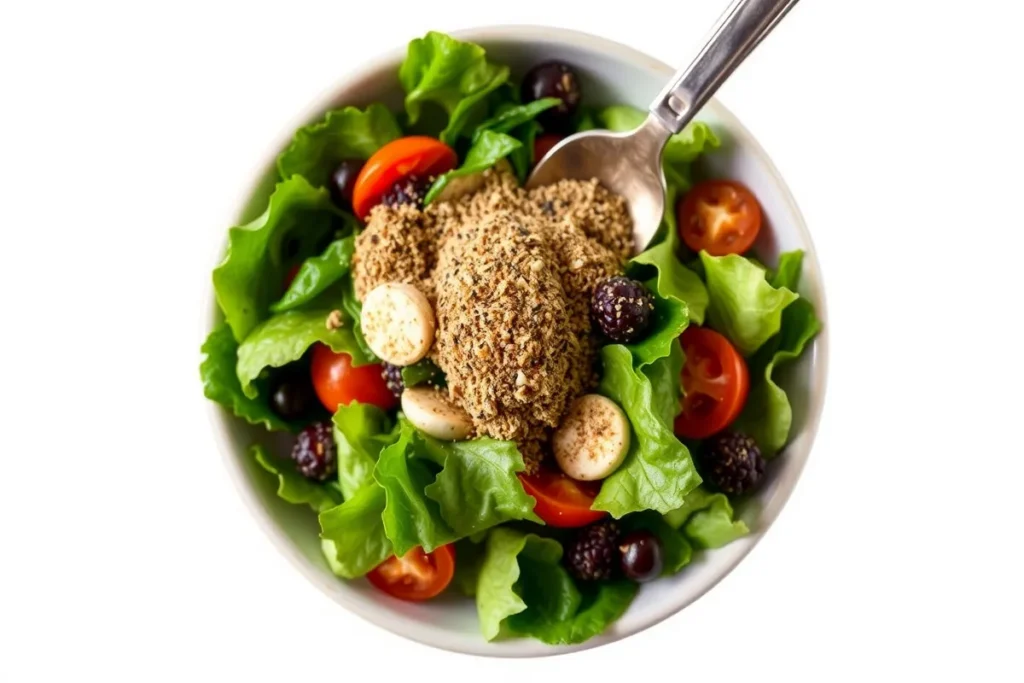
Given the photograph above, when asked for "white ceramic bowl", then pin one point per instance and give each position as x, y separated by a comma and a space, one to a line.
611, 74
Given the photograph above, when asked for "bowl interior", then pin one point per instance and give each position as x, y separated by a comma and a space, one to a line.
610, 74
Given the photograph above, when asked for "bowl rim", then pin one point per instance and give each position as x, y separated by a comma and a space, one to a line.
438, 638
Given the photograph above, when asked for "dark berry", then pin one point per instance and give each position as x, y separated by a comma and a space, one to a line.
343, 181
641, 556
623, 309
553, 79
732, 463
409, 190
392, 375
314, 451
593, 553
291, 393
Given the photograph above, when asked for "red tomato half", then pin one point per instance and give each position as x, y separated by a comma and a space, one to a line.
543, 144
716, 383
337, 382
720, 217
561, 500
414, 155
416, 575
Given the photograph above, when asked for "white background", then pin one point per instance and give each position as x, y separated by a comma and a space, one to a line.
128, 130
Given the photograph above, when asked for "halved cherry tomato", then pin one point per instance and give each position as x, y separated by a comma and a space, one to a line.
561, 500
416, 575
338, 383
715, 380
720, 217
414, 155
543, 144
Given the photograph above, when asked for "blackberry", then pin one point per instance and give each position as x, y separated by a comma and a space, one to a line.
392, 375
593, 553
623, 309
409, 190
314, 452
732, 463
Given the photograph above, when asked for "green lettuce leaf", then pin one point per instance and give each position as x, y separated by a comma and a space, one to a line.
714, 526
284, 338
586, 119
673, 281
351, 306
348, 133
411, 519
451, 73
767, 415
423, 372
469, 560
681, 150
743, 305
548, 598
292, 486
658, 471
298, 219
670, 319
356, 530
707, 519
316, 274
488, 149
477, 487
361, 432
221, 383
518, 120
523, 589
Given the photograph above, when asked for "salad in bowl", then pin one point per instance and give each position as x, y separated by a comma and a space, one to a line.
480, 391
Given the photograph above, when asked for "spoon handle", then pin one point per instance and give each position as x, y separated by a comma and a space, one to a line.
740, 29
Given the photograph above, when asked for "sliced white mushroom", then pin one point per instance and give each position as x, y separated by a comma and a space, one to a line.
430, 411
398, 323
593, 438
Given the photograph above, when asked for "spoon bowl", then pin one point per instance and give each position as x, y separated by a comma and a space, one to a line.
629, 163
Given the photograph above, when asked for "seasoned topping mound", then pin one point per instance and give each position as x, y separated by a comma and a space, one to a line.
510, 274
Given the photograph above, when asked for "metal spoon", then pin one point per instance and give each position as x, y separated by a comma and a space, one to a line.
629, 163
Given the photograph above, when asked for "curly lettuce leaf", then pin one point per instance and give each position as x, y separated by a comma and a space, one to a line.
477, 487
221, 383
681, 150
743, 305
348, 133
361, 432
670, 319
658, 471
354, 310
673, 281
707, 519
411, 519
488, 149
523, 589
355, 530
469, 560
285, 338
767, 415
451, 73
317, 274
292, 486
248, 279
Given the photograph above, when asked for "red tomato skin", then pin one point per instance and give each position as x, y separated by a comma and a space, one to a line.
735, 200
337, 382
412, 155
736, 385
555, 512
441, 567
